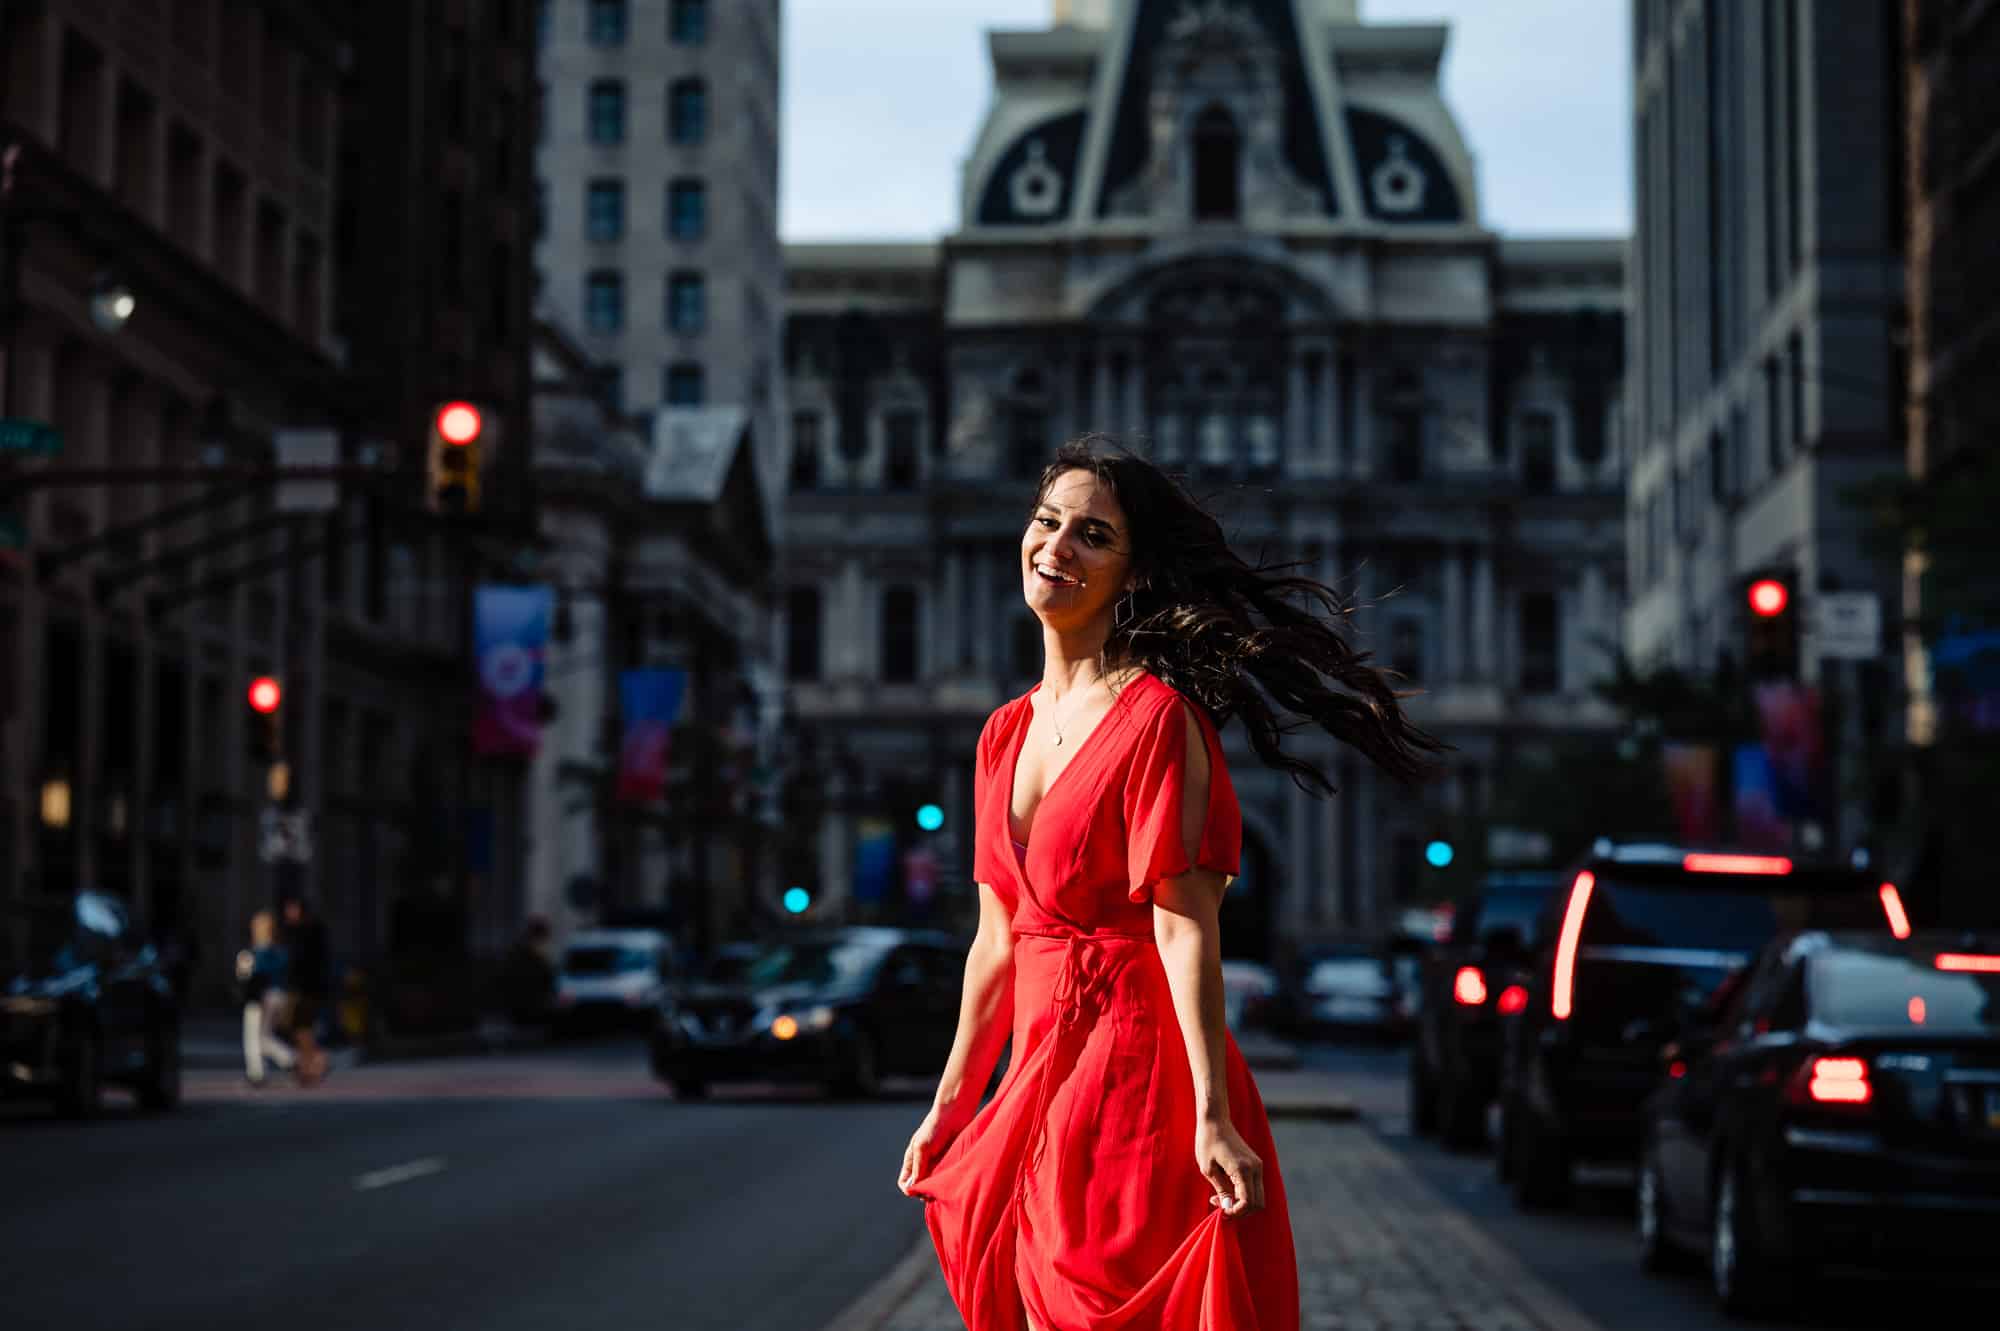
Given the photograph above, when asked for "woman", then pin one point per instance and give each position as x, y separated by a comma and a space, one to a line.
260, 972
1107, 829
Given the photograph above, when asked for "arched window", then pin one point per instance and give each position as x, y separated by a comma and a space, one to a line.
1218, 167
802, 633
899, 635
1538, 452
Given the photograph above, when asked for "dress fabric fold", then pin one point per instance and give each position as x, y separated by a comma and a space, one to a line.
1073, 1196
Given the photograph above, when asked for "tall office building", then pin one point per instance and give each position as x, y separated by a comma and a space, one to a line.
658, 175
1763, 373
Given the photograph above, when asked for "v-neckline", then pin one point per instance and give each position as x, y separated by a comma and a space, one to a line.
1082, 749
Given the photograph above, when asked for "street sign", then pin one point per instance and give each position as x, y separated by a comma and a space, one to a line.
307, 448
1847, 626
37, 438
285, 835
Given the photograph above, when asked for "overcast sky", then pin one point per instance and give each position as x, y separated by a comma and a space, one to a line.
883, 97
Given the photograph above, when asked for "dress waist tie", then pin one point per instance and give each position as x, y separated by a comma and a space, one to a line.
1066, 1001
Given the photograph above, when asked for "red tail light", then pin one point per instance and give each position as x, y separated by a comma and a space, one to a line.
1832, 1081
1677, 1069
1967, 961
1892, 906
1512, 999
1561, 1000
1764, 864
1469, 986
1918, 1011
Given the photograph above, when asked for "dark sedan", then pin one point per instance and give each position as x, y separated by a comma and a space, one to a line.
1840, 1106
83, 1002
843, 1008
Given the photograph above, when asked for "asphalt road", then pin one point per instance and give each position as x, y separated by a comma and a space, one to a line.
1589, 1252
560, 1189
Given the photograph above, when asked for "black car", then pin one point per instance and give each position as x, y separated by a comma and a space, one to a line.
1638, 935
843, 1008
1470, 982
85, 1001
1838, 1106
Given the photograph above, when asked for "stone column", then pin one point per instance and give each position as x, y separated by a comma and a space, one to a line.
1485, 622
1453, 602
1302, 877
947, 622
982, 626
1103, 408
1299, 441
1133, 418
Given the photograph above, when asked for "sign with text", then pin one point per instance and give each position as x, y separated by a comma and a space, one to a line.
1847, 626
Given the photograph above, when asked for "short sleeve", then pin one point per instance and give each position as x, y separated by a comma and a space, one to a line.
984, 868
1155, 797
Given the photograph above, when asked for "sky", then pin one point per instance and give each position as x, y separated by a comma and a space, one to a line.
883, 99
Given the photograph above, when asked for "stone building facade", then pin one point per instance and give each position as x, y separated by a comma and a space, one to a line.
1246, 237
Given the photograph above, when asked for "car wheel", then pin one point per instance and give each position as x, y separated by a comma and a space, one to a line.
1746, 1281
1461, 1118
1423, 1096
1657, 1250
687, 1088
862, 1077
161, 1089
1541, 1178
83, 1094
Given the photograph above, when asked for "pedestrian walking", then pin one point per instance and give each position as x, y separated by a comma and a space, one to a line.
1123, 1173
260, 979
310, 982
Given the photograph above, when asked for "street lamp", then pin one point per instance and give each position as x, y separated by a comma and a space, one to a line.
111, 303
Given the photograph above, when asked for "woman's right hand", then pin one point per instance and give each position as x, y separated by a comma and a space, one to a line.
932, 1138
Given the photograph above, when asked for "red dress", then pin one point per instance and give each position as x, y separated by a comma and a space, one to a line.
1073, 1196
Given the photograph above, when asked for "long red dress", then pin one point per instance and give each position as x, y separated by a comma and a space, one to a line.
1073, 1196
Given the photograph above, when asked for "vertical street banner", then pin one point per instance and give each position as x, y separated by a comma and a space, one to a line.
510, 633
1693, 783
648, 703
1759, 826
1789, 721
874, 859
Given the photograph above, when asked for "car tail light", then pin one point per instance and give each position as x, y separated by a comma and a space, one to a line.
1759, 864
1967, 961
1832, 1081
1512, 999
1469, 986
1560, 1001
1918, 1011
1892, 906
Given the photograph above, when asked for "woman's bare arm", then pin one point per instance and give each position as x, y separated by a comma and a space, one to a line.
985, 1012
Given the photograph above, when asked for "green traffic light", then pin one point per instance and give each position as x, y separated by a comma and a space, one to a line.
930, 818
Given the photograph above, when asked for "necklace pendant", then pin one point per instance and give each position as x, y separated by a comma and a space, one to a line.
1059, 739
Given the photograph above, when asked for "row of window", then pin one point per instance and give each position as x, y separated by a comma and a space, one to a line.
902, 433
605, 112
609, 22
686, 213
685, 308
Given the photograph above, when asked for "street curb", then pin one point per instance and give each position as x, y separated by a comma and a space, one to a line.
874, 1308
1324, 1111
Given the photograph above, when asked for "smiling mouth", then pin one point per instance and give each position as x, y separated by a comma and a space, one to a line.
1056, 579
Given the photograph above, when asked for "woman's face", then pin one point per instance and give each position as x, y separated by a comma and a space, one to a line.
1076, 556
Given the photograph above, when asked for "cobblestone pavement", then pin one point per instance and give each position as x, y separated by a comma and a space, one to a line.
1378, 1251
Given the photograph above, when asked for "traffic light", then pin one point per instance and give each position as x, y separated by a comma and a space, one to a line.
1771, 625
457, 429
266, 725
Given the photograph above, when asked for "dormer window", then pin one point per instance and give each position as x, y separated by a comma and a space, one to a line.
1218, 167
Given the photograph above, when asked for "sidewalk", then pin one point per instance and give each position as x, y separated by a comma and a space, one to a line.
1377, 1249
214, 1040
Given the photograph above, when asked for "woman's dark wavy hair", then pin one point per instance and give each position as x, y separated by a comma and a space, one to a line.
1241, 640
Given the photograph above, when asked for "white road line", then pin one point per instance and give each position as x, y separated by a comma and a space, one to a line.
394, 1174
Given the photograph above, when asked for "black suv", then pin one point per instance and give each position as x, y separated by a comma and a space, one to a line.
1470, 982
84, 1001
1640, 935
842, 1007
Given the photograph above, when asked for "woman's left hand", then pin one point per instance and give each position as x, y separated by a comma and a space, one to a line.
1232, 1169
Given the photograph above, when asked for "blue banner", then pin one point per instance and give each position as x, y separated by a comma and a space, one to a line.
510, 634
648, 703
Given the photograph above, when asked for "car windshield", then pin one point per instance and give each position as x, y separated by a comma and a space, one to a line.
812, 962
1869, 989
607, 959
1502, 913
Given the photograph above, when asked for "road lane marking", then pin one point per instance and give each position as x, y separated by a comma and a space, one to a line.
394, 1174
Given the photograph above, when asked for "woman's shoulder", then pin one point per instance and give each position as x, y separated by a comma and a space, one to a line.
1000, 718
1148, 698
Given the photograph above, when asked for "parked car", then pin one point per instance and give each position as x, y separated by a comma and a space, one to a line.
841, 1007
84, 1000
1841, 1105
1640, 933
1350, 989
611, 978
1249, 994
1471, 982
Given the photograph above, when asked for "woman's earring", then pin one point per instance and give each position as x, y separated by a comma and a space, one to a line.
1122, 612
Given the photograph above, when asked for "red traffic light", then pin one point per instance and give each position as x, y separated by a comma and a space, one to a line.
265, 695
1768, 597
458, 423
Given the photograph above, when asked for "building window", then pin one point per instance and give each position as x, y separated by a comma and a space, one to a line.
607, 22
687, 302
1538, 452
1406, 648
1541, 652
1218, 170
902, 429
688, 23
1405, 427
802, 633
604, 210
687, 210
607, 111
686, 385
899, 635
687, 112
805, 450
604, 301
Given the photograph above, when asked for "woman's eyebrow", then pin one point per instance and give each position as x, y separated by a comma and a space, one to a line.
1088, 522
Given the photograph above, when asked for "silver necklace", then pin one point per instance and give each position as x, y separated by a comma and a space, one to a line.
1055, 724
